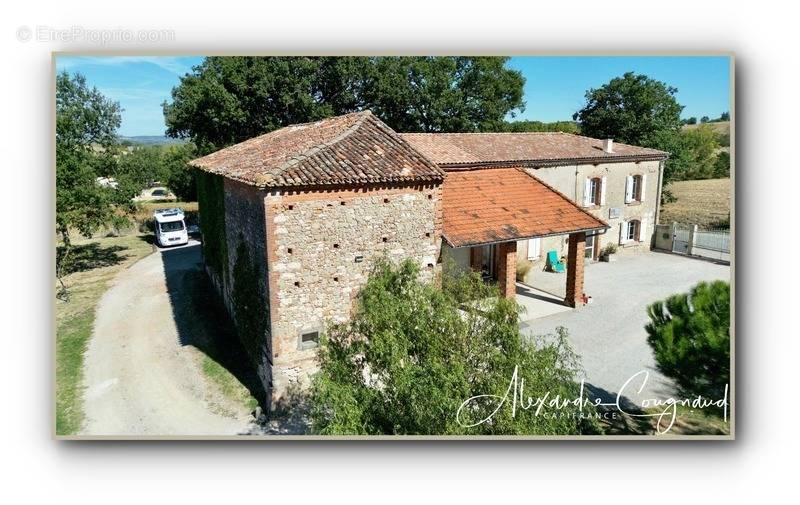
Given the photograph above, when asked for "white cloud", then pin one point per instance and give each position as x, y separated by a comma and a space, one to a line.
171, 64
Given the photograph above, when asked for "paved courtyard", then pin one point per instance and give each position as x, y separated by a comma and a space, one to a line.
609, 333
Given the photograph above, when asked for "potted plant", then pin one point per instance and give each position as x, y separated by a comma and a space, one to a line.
608, 252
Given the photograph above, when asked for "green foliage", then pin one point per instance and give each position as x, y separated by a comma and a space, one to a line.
211, 202
226, 100
722, 165
632, 109
442, 94
85, 120
608, 250
691, 120
250, 308
409, 358
693, 153
180, 177
539, 126
690, 338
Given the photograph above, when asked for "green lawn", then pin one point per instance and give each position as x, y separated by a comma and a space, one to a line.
97, 262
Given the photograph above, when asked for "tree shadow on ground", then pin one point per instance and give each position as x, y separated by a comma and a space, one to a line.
85, 257
622, 420
201, 318
630, 419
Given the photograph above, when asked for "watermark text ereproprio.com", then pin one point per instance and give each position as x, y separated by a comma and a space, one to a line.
102, 36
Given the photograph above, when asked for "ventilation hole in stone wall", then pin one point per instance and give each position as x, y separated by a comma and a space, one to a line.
430, 265
290, 207
297, 283
384, 239
428, 234
430, 197
342, 203
385, 200
335, 246
335, 279
289, 250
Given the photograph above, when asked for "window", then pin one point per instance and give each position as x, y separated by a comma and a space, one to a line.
172, 226
632, 232
594, 192
309, 339
589, 250
634, 189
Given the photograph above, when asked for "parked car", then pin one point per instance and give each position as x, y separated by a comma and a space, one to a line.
170, 227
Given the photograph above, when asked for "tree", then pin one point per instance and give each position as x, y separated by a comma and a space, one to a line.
690, 338
691, 120
539, 126
442, 94
226, 100
85, 122
181, 178
725, 116
704, 119
693, 153
410, 358
633, 109
722, 165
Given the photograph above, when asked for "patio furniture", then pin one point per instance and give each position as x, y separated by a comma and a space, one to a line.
553, 263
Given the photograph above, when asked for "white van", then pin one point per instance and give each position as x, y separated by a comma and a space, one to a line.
170, 227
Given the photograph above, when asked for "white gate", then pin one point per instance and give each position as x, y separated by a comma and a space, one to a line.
681, 238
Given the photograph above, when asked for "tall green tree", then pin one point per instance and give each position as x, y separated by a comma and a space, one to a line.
690, 337
230, 99
415, 360
632, 109
86, 124
693, 152
181, 178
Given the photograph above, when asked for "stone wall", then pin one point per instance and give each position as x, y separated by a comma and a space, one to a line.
322, 245
245, 220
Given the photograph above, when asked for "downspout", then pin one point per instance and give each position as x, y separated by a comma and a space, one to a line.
660, 182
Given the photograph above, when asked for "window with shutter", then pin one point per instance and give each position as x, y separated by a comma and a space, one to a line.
642, 189
534, 248
603, 190
628, 189
623, 232
587, 193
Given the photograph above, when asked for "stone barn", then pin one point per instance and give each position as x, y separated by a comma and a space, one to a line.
293, 220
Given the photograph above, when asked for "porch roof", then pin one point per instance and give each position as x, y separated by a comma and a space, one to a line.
491, 205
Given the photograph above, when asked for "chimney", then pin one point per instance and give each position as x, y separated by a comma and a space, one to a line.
608, 146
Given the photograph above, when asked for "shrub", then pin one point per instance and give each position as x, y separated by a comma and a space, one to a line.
608, 250
409, 358
690, 337
523, 267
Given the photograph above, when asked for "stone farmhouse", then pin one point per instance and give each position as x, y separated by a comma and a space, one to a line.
294, 219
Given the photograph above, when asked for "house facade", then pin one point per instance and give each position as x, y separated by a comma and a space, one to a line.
294, 220
617, 183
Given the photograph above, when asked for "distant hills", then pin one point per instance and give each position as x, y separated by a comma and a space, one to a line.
150, 140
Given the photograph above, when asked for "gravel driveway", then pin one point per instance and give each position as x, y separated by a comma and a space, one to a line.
609, 333
140, 379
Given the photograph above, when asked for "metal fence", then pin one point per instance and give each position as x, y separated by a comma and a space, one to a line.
713, 243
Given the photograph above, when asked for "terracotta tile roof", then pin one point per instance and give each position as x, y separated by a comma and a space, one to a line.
350, 149
477, 149
503, 204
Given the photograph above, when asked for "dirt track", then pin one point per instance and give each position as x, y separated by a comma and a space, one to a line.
140, 378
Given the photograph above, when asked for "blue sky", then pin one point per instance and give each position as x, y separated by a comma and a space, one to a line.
554, 89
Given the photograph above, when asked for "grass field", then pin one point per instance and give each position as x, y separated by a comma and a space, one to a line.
97, 261
703, 202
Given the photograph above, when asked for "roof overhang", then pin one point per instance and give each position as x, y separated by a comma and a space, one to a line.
483, 207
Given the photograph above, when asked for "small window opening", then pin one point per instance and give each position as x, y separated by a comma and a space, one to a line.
309, 339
